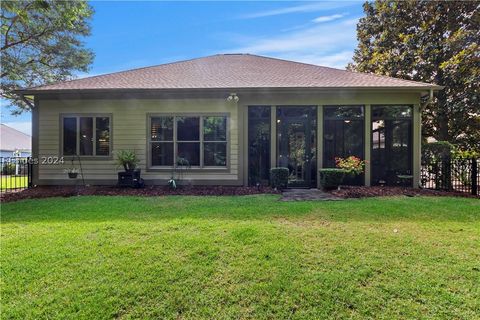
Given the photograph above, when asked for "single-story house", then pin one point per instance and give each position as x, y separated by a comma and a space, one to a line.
14, 143
232, 117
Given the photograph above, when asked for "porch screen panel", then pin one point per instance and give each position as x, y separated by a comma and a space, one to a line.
343, 136
259, 133
392, 138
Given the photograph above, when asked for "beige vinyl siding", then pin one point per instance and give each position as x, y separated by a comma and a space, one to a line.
128, 131
129, 128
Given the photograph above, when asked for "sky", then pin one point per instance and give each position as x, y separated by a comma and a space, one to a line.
133, 34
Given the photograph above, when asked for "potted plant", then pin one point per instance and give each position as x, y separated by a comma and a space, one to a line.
72, 173
353, 165
127, 159
131, 176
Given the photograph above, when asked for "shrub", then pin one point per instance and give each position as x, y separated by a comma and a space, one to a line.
331, 178
438, 150
352, 164
8, 169
279, 177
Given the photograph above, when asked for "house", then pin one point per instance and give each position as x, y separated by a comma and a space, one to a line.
232, 117
14, 143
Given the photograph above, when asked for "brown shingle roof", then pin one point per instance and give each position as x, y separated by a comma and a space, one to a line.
233, 71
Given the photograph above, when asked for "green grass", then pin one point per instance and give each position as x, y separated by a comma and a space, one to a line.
240, 257
10, 182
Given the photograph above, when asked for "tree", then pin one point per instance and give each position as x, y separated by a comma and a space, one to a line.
41, 43
430, 41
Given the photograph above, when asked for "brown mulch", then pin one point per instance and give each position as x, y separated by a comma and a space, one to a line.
70, 191
347, 192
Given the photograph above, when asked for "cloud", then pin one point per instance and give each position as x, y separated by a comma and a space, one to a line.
328, 18
329, 44
311, 7
25, 127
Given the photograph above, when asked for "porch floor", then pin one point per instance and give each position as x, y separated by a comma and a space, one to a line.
306, 195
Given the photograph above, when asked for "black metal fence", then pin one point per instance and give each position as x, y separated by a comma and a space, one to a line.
451, 175
15, 174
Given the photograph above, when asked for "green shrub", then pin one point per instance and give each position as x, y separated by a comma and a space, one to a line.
8, 169
279, 177
438, 150
331, 178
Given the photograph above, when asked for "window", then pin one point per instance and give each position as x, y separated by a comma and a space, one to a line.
343, 136
86, 135
391, 144
196, 141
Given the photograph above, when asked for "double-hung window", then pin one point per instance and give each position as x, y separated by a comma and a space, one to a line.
86, 135
195, 141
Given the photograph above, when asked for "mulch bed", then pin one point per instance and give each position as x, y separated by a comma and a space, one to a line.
347, 192
70, 191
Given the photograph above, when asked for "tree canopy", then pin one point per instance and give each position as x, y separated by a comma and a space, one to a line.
41, 42
430, 41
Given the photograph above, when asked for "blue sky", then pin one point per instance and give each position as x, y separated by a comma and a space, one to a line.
134, 34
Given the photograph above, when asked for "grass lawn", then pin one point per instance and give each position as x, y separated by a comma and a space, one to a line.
240, 257
10, 182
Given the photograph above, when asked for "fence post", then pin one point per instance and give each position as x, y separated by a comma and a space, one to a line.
474, 176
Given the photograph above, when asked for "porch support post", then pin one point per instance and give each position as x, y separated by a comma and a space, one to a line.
273, 137
368, 144
417, 144
319, 142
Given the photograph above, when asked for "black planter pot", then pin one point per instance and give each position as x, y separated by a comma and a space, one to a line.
73, 175
130, 179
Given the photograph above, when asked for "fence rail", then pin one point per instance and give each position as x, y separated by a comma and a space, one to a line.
15, 174
451, 175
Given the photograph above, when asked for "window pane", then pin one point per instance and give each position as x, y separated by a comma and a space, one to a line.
189, 152
188, 128
162, 154
215, 128
69, 136
162, 129
215, 154
86, 136
103, 136
391, 112
343, 112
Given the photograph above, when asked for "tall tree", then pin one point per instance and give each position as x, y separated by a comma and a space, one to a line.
41, 42
428, 41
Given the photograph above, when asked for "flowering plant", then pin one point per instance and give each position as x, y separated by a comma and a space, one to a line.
352, 164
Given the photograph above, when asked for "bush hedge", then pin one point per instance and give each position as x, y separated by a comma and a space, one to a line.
8, 169
331, 178
279, 177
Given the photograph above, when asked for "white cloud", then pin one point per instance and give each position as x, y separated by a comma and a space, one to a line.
311, 7
25, 126
328, 18
324, 44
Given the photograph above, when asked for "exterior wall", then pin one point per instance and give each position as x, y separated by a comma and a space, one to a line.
129, 130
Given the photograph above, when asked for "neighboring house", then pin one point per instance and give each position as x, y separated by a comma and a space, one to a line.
233, 117
14, 143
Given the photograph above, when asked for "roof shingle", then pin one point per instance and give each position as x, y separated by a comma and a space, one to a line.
233, 71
